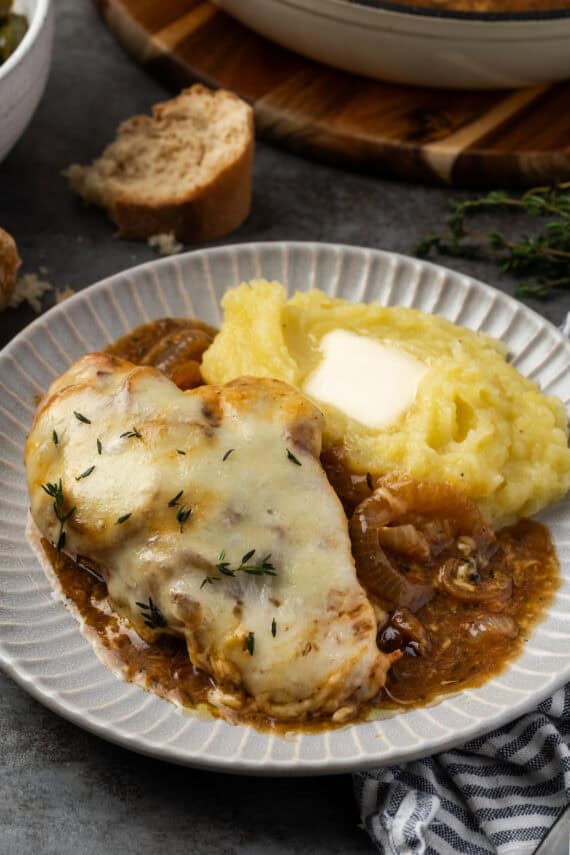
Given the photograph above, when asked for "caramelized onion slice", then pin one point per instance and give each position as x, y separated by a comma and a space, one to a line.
423, 501
177, 347
406, 540
136, 344
187, 375
459, 578
493, 625
375, 570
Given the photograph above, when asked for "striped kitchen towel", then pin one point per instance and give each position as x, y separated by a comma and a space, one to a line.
495, 795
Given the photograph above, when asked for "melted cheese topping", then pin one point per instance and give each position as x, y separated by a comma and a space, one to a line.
300, 641
364, 379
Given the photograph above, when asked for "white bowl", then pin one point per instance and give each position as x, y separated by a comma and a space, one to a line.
24, 74
417, 46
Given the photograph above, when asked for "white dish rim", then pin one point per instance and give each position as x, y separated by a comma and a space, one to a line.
388, 15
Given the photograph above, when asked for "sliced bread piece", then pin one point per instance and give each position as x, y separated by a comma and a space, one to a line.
186, 170
9, 264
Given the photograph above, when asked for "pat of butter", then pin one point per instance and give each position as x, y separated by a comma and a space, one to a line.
370, 382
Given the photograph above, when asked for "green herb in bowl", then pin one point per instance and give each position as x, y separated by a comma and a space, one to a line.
13, 28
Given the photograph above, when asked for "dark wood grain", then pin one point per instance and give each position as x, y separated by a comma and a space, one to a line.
468, 139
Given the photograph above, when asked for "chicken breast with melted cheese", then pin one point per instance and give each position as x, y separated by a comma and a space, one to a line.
209, 516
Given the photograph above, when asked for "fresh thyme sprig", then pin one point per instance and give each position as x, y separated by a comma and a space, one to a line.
81, 418
122, 519
541, 261
55, 490
152, 615
55, 438
263, 568
99, 446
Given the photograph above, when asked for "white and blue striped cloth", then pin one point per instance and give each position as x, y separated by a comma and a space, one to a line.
496, 795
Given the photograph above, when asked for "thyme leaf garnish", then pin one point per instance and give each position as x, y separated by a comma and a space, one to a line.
99, 446
209, 580
179, 451
293, 459
85, 474
183, 515
174, 500
273, 627
263, 568
223, 566
132, 434
55, 438
249, 643
227, 454
541, 261
55, 490
123, 518
80, 417
152, 615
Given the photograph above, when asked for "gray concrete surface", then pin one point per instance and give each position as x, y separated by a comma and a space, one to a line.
62, 791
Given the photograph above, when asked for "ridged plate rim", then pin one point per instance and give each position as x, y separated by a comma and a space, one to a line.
32, 649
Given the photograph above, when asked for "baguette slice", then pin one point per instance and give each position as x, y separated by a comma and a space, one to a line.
9, 264
186, 170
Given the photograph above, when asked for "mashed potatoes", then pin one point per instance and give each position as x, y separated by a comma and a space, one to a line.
475, 421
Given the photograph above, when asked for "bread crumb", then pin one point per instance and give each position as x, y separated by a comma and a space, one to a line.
165, 244
30, 289
62, 294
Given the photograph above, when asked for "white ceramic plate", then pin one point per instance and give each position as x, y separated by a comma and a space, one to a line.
421, 47
40, 643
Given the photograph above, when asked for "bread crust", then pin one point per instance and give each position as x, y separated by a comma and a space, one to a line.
9, 263
216, 209
208, 211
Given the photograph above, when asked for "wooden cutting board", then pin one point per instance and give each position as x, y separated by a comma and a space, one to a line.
472, 139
